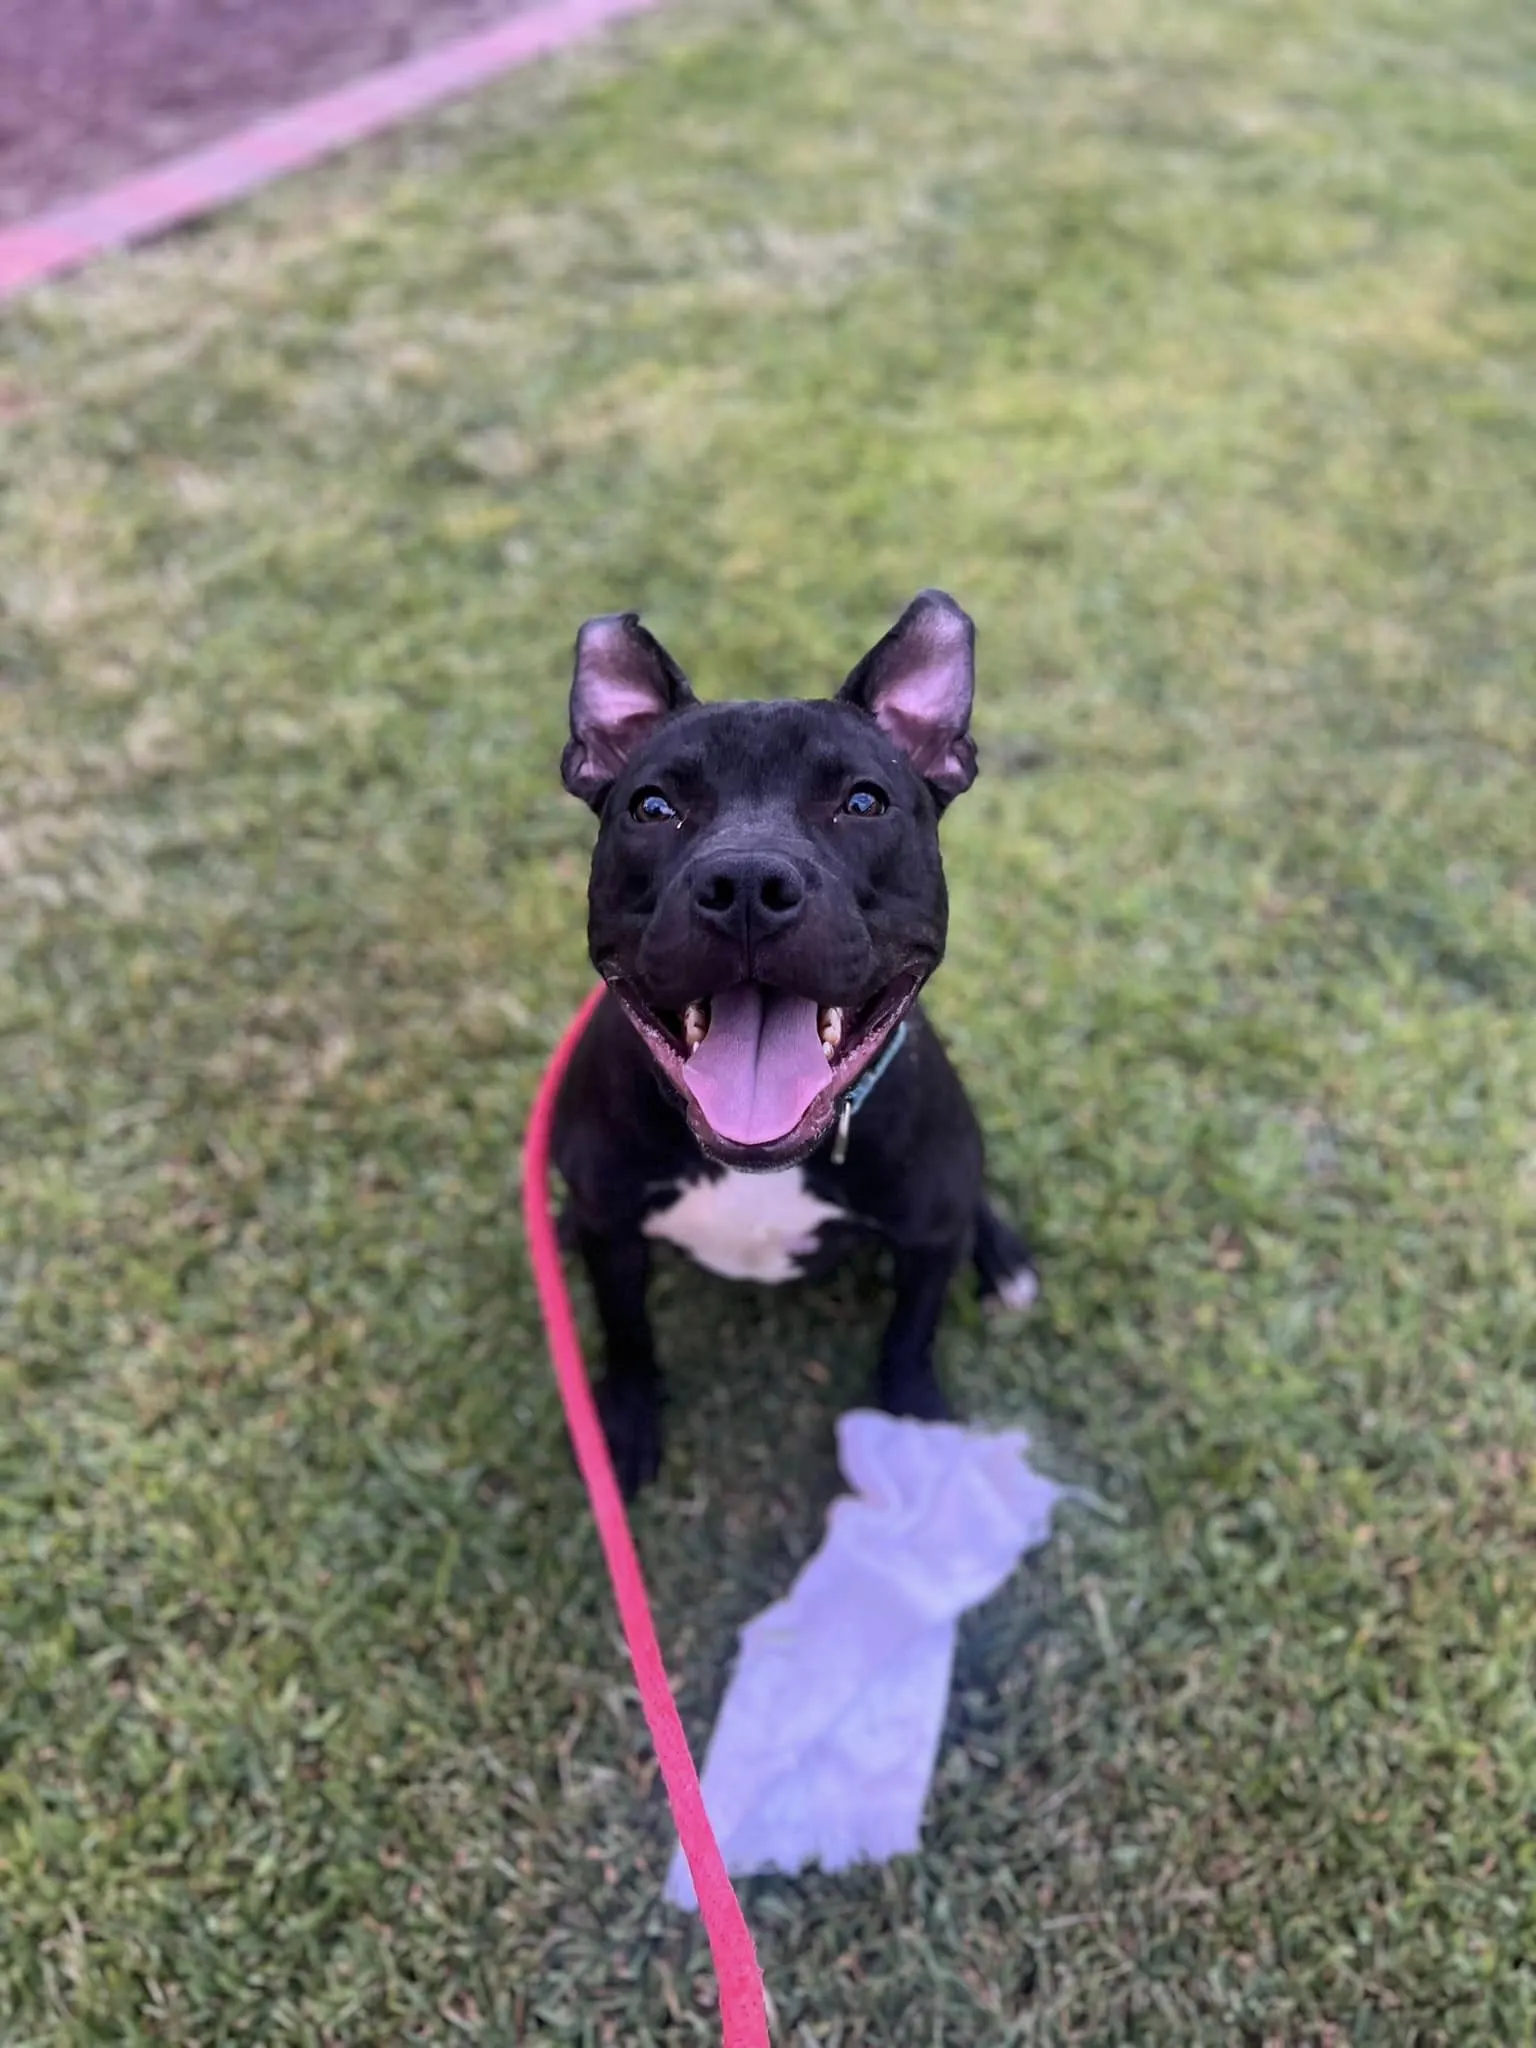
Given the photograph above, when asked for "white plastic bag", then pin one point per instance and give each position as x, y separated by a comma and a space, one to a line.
828, 1733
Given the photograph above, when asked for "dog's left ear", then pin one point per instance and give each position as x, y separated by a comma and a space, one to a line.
625, 684
917, 684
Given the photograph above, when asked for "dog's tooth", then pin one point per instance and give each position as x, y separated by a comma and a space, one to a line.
831, 1028
696, 1025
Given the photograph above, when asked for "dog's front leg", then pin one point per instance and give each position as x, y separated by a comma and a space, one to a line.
629, 1393
908, 1383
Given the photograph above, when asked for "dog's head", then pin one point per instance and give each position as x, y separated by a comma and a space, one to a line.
766, 896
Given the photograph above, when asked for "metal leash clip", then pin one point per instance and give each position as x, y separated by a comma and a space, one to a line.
860, 1093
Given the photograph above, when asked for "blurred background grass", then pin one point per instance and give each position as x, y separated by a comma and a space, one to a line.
1193, 349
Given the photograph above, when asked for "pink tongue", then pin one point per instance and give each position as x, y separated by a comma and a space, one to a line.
760, 1068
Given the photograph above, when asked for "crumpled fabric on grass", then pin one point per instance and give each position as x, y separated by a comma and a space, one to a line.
827, 1737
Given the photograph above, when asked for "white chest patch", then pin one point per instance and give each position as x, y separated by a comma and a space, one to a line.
746, 1226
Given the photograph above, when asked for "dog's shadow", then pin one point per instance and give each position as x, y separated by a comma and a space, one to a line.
757, 1377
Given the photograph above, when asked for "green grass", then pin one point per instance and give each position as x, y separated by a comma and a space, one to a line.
1193, 348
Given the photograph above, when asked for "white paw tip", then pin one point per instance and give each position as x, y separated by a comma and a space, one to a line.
1020, 1289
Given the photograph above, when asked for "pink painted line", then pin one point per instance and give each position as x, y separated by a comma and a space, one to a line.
187, 186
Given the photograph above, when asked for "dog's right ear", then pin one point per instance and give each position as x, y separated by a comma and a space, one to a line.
625, 684
917, 683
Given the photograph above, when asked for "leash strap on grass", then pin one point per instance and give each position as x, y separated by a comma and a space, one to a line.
743, 2009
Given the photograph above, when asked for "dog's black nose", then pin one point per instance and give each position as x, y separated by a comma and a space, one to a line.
743, 893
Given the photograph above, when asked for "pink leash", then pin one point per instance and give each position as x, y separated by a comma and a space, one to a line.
743, 2010
154, 200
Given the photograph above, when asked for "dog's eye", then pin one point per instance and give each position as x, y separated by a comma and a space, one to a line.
864, 800
650, 807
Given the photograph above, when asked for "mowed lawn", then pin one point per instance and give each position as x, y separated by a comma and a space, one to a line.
1194, 348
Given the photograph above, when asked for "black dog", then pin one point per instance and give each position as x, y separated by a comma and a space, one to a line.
766, 902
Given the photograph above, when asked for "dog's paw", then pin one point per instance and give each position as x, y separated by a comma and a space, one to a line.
914, 1392
1013, 1294
631, 1418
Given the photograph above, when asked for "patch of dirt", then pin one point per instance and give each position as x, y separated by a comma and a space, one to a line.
91, 90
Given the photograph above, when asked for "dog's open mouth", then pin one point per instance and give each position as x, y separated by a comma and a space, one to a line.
763, 1070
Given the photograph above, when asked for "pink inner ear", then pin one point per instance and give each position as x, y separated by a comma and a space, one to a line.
931, 752
609, 701
625, 684
612, 705
927, 706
